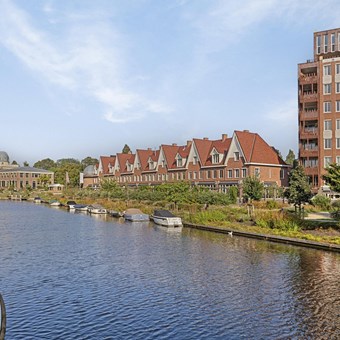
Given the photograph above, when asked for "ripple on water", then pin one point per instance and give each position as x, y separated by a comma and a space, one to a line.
70, 276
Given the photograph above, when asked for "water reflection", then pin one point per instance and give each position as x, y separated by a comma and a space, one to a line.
94, 277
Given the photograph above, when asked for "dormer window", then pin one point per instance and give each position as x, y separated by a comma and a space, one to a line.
236, 156
163, 163
151, 166
215, 158
179, 161
194, 160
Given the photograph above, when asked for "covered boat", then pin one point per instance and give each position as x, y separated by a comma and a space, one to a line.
96, 209
166, 218
135, 215
71, 204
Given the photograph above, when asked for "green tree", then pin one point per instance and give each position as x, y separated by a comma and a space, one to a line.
126, 149
332, 177
253, 188
14, 163
290, 157
299, 190
68, 173
26, 163
47, 164
89, 161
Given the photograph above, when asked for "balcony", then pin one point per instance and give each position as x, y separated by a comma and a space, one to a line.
308, 133
309, 96
311, 170
308, 151
308, 114
310, 78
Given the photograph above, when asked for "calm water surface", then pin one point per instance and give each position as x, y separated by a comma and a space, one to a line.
73, 276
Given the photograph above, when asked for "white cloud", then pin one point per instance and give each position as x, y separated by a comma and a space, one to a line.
87, 57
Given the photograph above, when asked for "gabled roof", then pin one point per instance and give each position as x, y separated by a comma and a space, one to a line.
123, 158
256, 150
144, 155
170, 152
205, 147
105, 161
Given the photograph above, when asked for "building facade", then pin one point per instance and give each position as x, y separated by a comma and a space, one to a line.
217, 164
12, 176
319, 107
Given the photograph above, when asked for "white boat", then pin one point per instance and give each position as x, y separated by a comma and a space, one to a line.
37, 200
135, 215
166, 218
55, 203
71, 204
81, 207
96, 209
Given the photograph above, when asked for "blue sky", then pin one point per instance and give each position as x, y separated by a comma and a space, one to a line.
82, 78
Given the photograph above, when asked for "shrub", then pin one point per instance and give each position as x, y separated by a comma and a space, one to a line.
272, 204
321, 201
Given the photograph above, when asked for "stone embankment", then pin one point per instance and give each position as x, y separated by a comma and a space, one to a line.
272, 238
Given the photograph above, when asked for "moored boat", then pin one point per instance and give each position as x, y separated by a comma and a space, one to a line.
115, 213
55, 203
37, 200
166, 218
81, 207
135, 215
71, 204
96, 209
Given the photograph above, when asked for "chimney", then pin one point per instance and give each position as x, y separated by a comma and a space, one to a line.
245, 130
205, 138
149, 149
224, 137
174, 144
189, 142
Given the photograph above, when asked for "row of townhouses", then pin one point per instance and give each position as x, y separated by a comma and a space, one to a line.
217, 164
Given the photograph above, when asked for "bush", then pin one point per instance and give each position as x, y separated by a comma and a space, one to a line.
272, 204
277, 220
321, 202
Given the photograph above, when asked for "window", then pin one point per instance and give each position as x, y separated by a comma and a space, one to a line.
194, 160
230, 173
327, 107
338, 124
244, 173
282, 173
257, 172
338, 143
332, 42
327, 70
337, 105
208, 174
327, 143
221, 173
318, 44
327, 125
327, 88
237, 173
327, 161
338, 160
179, 161
236, 156
337, 87
325, 43
337, 68
216, 158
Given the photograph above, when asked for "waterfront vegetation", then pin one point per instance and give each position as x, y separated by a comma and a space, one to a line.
199, 205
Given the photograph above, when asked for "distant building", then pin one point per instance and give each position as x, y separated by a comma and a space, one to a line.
216, 164
319, 107
16, 177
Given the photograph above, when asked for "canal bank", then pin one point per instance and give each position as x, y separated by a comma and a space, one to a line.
271, 238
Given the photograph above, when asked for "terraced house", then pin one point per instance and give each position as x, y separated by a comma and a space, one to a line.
217, 164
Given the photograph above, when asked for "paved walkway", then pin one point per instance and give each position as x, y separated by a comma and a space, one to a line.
318, 216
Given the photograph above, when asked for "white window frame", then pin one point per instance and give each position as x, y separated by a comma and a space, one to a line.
236, 156
337, 122
338, 143
337, 68
327, 125
244, 173
333, 42
327, 71
230, 173
327, 143
237, 173
325, 43
337, 106
327, 160
337, 87
318, 44
327, 88
338, 160
327, 107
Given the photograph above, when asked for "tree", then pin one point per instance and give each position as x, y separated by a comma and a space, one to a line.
47, 164
126, 149
253, 188
299, 190
26, 163
290, 157
332, 177
89, 161
14, 163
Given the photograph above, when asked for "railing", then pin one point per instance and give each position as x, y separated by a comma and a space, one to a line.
3, 319
309, 113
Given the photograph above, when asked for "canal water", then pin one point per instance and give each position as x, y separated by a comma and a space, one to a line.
73, 276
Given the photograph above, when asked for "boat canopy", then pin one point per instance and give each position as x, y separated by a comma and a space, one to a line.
163, 213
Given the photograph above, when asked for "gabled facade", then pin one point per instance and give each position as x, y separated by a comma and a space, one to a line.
217, 164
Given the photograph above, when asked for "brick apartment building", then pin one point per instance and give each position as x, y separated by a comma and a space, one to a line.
319, 107
217, 164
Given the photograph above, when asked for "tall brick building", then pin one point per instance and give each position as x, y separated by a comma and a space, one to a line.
319, 107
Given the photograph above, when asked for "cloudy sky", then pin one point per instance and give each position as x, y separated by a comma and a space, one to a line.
82, 78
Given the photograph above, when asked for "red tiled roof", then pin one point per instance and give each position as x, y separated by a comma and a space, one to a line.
256, 150
105, 161
122, 158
